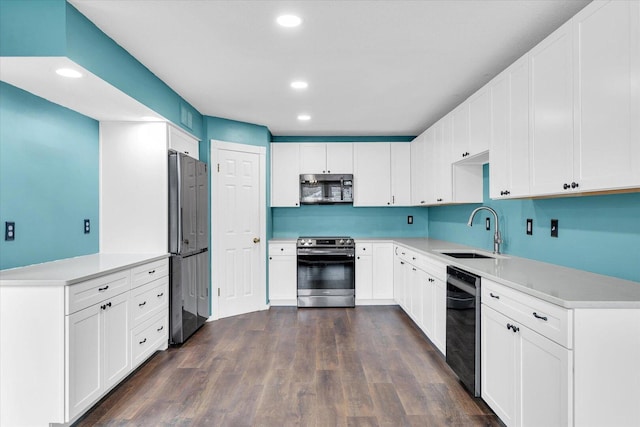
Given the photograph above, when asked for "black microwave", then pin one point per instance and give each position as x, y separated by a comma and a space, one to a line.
326, 189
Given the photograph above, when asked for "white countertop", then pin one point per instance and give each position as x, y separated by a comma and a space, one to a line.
73, 270
563, 286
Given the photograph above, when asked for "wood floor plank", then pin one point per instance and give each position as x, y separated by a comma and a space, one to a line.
368, 366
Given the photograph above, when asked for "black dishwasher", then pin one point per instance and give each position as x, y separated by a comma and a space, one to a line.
463, 327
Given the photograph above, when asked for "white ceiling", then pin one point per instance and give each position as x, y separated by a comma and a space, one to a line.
373, 67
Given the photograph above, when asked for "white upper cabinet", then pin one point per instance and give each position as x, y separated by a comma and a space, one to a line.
285, 175
551, 130
607, 100
372, 174
400, 174
340, 157
509, 149
585, 108
442, 153
419, 179
461, 132
479, 121
382, 174
317, 158
183, 143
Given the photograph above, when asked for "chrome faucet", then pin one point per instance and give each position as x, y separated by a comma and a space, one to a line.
497, 239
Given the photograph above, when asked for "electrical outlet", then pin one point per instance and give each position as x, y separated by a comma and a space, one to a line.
554, 228
410, 219
87, 226
529, 226
487, 223
9, 230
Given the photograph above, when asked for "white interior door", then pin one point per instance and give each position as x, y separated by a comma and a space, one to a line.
239, 229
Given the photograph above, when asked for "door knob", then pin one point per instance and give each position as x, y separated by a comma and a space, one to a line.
256, 240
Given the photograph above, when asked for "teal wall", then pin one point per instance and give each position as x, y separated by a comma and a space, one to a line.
346, 220
56, 28
32, 28
49, 179
600, 234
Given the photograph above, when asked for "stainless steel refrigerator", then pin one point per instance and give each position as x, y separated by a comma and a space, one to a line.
188, 245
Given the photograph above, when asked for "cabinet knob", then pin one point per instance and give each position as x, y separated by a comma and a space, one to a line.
574, 185
328, 171
565, 186
270, 258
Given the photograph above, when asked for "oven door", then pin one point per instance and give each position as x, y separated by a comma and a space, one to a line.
325, 272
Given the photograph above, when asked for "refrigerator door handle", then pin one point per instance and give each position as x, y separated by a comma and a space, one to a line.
179, 189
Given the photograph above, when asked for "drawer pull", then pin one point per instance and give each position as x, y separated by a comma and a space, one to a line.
494, 296
143, 341
142, 303
105, 306
414, 269
103, 289
413, 258
160, 294
537, 316
514, 328
401, 262
161, 328
152, 271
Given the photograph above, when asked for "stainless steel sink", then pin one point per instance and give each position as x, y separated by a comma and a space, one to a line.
467, 255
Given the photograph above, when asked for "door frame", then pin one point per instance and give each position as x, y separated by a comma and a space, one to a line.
216, 259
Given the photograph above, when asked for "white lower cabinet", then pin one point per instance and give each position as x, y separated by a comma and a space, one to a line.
79, 346
282, 273
374, 273
527, 377
98, 351
419, 288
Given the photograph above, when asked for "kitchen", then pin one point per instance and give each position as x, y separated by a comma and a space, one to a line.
597, 233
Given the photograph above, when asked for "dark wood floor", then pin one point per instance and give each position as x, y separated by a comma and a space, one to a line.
368, 366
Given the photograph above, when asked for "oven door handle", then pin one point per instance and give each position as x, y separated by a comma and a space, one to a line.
325, 261
326, 252
454, 281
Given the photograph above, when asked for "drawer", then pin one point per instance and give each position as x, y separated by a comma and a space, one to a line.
85, 294
549, 320
282, 249
149, 272
149, 299
435, 268
148, 337
364, 248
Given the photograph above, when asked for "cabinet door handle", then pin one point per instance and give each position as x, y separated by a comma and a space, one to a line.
142, 303
152, 271
160, 294
414, 269
537, 316
494, 296
161, 328
103, 289
143, 341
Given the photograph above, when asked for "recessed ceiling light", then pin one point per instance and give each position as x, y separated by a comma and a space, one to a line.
304, 117
68, 72
299, 84
289, 20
